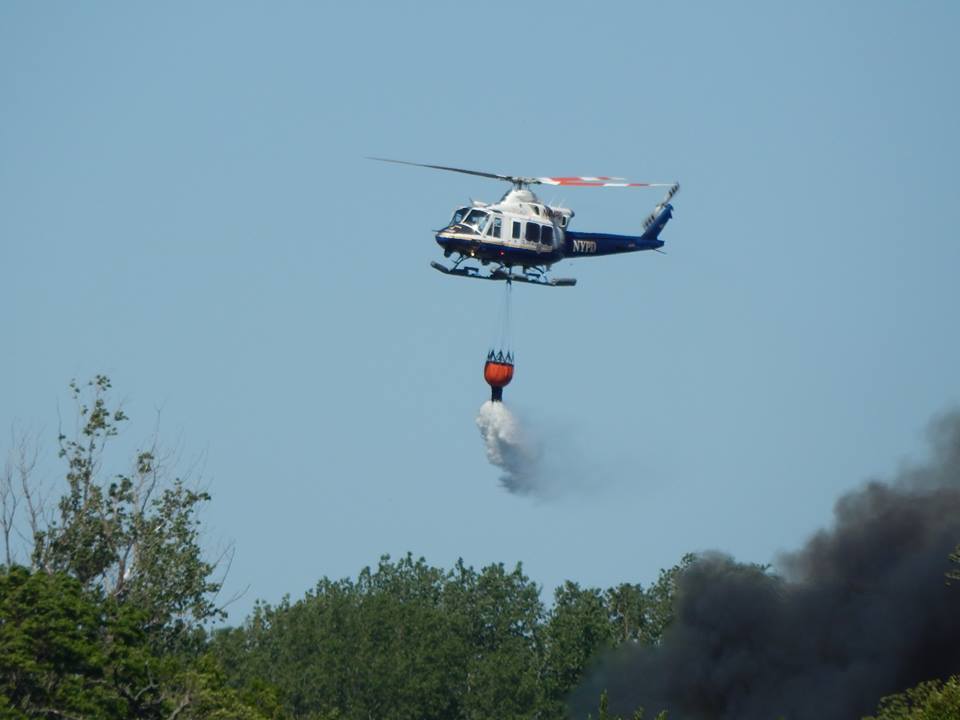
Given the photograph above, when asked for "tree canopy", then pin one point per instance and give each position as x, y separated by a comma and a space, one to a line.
132, 536
408, 640
107, 619
931, 700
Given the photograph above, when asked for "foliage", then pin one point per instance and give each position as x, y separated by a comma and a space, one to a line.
408, 640
579, 628
70, 652
198, 691
640, 615
405, 640
134, 537
498, 619
932, 700
603, 712
107, 621
64, 654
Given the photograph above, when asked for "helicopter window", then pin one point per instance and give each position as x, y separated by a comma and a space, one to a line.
546, 235
563, 221
458, 215
516, 229
533, 232
495, 228
477, 219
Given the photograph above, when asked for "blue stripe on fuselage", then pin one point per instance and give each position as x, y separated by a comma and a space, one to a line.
498, 252
582, 244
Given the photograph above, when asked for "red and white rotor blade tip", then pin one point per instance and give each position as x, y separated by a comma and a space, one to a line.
599, 181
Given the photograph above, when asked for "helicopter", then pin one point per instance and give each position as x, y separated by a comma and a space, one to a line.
524, 233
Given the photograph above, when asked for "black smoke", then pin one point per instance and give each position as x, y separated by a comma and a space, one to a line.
863, 610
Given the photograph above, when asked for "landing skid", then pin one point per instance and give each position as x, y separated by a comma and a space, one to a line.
504, 274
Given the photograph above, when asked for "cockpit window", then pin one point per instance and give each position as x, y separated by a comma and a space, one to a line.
458, 215
477, 219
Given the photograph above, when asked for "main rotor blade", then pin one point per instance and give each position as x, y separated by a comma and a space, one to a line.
493, 176
577, 181
600, 181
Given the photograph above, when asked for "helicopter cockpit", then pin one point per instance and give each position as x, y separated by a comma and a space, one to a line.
475, 219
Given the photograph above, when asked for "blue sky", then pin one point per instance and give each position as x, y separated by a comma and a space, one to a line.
186, 207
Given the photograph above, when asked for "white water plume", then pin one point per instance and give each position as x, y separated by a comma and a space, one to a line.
541, 458
510, 449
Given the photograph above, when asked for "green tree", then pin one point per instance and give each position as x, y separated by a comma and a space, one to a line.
199, 691
603, 711
107, 622
627, 610
68, 652
377, 647
502, 619
643, 615
933, 700
134, 536
64, 654
404, 640
407, 640
578, 629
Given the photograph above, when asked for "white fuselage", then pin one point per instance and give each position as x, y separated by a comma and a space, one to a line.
519, 229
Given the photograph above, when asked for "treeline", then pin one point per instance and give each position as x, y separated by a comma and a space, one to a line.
410, 641
107, 604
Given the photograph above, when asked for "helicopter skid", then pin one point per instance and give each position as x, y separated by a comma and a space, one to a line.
501, 274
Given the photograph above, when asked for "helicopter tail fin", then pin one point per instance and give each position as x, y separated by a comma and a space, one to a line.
661, 214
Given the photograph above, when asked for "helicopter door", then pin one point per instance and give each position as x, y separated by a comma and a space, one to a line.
495, 227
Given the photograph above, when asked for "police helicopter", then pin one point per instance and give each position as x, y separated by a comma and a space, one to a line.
524, 233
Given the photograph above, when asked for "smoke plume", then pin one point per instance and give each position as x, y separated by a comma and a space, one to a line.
863, 610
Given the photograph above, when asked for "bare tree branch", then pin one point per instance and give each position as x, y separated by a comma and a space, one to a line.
53, 711
18, 487
180, 707
8, 507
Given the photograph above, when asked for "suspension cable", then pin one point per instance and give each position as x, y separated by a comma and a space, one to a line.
503, 332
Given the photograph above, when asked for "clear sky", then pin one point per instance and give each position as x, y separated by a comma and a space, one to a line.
184, 205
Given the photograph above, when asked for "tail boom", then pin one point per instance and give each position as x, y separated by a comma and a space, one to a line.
580, 244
